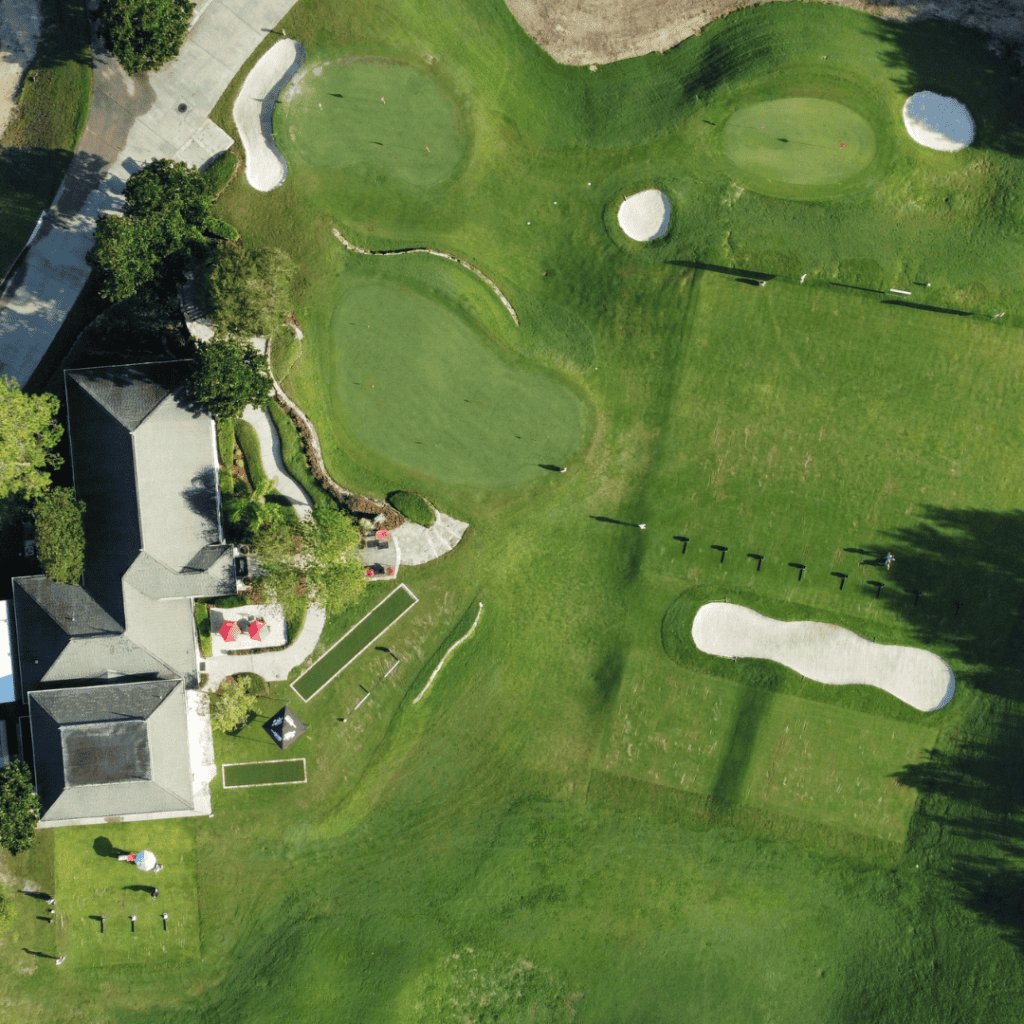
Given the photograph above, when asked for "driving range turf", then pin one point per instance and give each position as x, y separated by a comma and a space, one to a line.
587, 820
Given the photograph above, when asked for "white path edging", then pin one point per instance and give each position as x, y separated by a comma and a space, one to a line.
265, 165
448, 653
433, 252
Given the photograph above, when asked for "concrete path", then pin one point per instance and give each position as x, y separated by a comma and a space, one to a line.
164, 114
272, 665
273, 462
420, 544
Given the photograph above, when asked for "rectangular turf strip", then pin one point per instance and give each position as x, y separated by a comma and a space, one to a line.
354, 642
264, 773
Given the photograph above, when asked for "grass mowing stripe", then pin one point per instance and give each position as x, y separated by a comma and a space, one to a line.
264, 773
354, 642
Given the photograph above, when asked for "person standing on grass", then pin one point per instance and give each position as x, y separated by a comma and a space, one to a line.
889, 559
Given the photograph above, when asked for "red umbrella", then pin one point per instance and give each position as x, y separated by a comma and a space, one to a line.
382, 535
258, 629
369, 572
229, 631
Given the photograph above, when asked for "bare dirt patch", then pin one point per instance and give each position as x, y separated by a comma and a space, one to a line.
602, 31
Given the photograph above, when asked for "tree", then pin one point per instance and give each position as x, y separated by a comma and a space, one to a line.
60, 535
249, 290
231, 705
19, 807
28, 431
166, 207
144, 35
316, 558
230, 376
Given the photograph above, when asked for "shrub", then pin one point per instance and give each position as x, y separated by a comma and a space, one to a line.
245, 435
19, 807
229, 708
203, 629
415, 508
58, 515
144, 35
226, 441
221, 171
220, 229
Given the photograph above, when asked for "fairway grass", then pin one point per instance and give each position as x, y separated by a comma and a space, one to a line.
354, 642
264, 773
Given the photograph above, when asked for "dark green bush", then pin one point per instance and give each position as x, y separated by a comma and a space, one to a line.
415, 508
245, 435
220, 172
220, 229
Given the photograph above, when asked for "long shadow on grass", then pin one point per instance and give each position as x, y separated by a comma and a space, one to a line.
956, 61
970, 815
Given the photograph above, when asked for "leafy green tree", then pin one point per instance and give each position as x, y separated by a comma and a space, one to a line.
249, 290
28, 432
19, 807
230, 707
230, 375
166, 206
60, 535
144, 35
318, 559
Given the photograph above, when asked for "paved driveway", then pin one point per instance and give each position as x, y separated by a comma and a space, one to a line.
131, 121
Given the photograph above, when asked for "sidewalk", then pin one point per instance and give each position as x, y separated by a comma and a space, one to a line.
273, 463
164, 114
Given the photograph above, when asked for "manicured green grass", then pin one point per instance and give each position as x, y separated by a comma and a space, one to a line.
354, 642
799, 140
371, 117
91, 883
51, 112
413, 507
264, 773
414, 383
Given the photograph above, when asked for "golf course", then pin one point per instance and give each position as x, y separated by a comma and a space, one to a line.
587, 816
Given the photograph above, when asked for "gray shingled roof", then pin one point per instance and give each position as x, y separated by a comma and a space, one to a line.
145, 464
111, 750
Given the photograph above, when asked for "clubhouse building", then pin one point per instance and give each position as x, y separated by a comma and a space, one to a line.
109, 669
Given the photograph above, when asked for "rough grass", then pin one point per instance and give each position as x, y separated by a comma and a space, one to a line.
249, 443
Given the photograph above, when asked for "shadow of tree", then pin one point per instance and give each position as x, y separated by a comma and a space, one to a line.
957, 61
968, 567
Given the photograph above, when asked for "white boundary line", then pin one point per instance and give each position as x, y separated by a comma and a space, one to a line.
401, 586
448, 652
255, 785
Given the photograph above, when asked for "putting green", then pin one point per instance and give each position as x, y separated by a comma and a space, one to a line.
370, 113
416, 384
799, 141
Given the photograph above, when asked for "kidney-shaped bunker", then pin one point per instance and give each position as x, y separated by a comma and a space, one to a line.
825, 653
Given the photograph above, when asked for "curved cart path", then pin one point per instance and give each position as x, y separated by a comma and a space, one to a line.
273, 462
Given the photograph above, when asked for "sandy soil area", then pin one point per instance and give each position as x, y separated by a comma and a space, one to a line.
646, 215
265, 166
825, 653
20, 28
938, 122
602, 31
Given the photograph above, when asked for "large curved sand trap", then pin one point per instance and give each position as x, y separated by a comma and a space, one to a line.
646, 215
826, 654
265, 167
938, 122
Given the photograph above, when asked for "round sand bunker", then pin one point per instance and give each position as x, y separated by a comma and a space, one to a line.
938, 122
646, 215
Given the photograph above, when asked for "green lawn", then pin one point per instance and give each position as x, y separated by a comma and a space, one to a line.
91, 883
588, 819
354, 642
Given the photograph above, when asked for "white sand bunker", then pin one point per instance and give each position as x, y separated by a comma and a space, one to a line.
826, 654
265, 167
645, 216
938, 122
